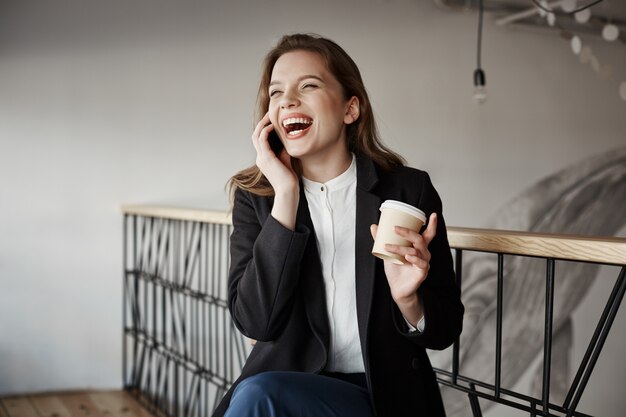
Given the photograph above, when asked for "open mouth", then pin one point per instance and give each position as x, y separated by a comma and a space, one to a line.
296, 125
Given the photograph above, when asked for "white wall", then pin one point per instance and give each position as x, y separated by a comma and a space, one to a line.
103, 103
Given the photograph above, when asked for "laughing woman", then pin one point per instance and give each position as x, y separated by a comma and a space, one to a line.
339, 332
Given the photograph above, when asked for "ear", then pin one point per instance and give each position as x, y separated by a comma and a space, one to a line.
352, 111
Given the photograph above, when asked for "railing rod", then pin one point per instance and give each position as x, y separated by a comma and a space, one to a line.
198, 330
547, 336
138, 263
148, 351
150, 343
155, 315
202, 288
504, 401
499, 303
164, 341
160, 376
621, 282
124, 294
176, 287
140, 364
189, 398
144, 323
478, 383
135, 300
214, 253
229, 351
159, 238
473, 398
160, 382
176, 396
459, 280
592, 343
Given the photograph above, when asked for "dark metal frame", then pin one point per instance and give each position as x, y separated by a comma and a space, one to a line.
476, 389
181, 351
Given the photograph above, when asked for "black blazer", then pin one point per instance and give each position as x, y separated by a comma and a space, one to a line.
276, 295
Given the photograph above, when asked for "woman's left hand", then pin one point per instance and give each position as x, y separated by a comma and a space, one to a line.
405, 279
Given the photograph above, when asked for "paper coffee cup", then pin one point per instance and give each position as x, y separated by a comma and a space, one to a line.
395, 213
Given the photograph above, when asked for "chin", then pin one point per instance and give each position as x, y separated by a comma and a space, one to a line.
295, 153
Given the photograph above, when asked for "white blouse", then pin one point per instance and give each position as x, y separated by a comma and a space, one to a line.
333, 211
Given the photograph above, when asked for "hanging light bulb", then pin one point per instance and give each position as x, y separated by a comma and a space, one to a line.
622, 90
480, 91
568, 6
583, 16
610, 32
576, 44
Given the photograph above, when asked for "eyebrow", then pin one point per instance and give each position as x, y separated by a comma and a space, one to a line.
304, 77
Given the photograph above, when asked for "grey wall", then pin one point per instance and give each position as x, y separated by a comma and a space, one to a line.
103, 103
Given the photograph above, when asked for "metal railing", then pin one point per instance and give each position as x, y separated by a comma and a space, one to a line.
548, 249
181, 351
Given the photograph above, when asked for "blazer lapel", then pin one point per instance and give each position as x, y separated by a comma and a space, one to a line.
367, 213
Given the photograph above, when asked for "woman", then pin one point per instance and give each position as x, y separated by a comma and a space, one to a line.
339, 332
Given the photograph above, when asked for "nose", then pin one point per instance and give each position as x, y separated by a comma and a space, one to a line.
289, 99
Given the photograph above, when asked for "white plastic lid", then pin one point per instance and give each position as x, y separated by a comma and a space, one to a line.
404, 207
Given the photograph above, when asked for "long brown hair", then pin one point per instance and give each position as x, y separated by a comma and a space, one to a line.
362, 136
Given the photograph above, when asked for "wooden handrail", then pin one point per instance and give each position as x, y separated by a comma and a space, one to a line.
178, 213
607, 250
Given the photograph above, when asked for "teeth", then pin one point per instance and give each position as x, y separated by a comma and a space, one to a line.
293, 120
294, 133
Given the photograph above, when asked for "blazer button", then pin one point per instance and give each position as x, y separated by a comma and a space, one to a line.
415, 363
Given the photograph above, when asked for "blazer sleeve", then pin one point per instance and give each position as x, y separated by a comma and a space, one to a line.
440, 295
264, 269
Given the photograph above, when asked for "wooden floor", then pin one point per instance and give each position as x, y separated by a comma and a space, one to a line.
73, 404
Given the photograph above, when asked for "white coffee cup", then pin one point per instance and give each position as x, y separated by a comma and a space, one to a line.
396, 213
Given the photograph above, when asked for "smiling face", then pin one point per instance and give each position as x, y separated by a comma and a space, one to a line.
308, 109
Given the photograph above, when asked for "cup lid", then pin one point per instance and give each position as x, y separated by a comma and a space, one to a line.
404, 207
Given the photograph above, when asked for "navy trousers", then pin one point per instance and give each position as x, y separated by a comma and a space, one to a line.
300, 394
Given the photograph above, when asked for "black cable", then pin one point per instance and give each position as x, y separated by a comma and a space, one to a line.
479, 74
480, 33
580, 9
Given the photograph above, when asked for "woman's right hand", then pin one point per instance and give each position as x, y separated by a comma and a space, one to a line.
276, 168
280, 174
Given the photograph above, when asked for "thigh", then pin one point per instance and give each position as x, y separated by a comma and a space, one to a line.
298, 394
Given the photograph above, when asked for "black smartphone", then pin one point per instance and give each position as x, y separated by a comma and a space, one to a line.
275, 144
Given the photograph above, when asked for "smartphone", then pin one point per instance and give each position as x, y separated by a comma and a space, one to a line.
275, 144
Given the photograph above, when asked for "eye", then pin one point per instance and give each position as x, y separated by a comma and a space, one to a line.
274, 93
309, 86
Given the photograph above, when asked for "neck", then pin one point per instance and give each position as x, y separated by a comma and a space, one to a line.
327, 168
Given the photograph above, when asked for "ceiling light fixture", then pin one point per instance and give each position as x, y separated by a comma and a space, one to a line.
480, 91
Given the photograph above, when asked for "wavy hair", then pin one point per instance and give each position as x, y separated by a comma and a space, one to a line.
362, 136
